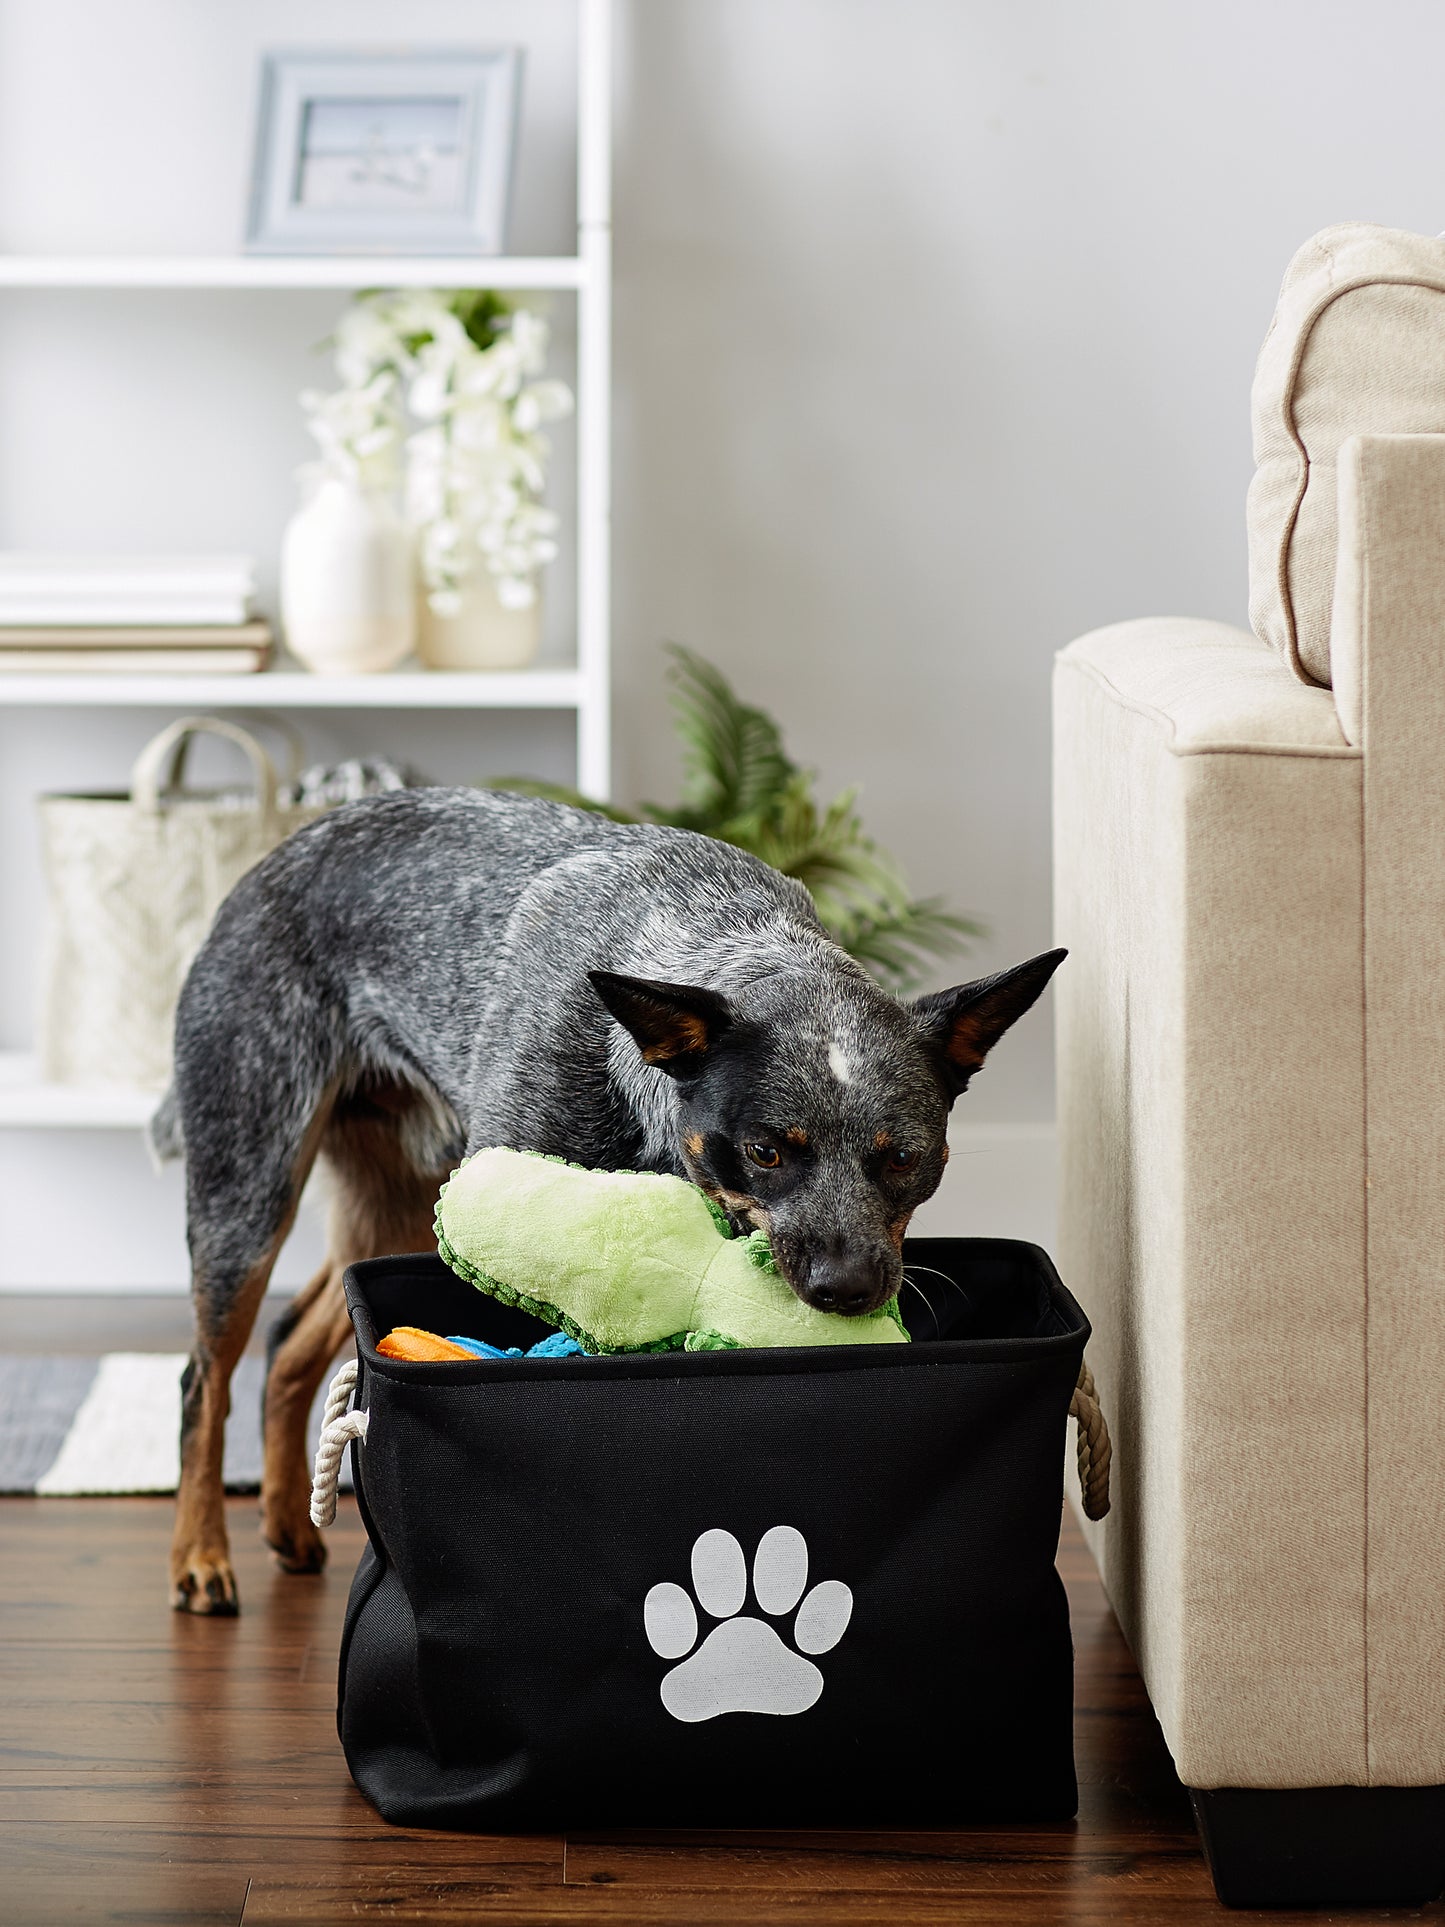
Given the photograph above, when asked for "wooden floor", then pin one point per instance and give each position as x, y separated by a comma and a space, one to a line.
158, 1769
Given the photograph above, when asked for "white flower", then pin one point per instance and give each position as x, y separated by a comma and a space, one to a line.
541, 401
357, 430
482, 375
427, 394
529, 338
365, 342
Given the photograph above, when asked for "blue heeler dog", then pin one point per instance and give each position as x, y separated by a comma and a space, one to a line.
421, 974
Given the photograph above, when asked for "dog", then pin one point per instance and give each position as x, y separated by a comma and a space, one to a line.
420, 974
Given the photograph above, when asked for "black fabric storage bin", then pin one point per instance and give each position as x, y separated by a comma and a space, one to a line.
539, 1530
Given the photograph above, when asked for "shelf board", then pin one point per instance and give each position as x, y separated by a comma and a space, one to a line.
294, 689
290, 271
28, 1101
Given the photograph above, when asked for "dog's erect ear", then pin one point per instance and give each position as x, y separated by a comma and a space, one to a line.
962, 1025
674, 1025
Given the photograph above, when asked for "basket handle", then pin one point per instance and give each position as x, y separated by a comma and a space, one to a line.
338, 1427
161, 764
1095, 1450
280, 725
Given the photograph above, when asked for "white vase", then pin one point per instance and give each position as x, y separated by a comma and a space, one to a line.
348, 605
482, 634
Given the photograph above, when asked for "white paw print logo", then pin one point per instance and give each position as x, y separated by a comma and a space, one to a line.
743, 1666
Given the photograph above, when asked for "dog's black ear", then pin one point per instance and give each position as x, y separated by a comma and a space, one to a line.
674, 1025
962, 1025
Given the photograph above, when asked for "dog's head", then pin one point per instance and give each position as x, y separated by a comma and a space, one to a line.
818, 1111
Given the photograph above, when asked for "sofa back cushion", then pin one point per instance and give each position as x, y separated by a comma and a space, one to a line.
1356, 347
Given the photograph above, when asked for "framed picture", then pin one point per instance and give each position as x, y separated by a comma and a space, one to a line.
384, 153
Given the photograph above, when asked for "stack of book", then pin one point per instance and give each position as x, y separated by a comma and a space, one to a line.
145, 615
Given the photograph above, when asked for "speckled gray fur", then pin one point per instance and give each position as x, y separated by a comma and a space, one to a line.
439, 940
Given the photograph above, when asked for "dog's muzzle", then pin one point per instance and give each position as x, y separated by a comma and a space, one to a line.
851, 1282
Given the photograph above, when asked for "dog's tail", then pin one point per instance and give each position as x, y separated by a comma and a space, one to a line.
164, 1137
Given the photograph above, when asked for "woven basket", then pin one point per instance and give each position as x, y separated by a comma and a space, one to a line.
134, 883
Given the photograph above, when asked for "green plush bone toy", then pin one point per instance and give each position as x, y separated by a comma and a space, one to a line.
627, 1261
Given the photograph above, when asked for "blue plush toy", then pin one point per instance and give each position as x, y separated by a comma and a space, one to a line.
554, 1345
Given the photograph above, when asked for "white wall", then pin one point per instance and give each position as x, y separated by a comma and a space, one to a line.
936, 321
934, 330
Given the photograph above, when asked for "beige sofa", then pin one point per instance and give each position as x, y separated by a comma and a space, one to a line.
1250, 876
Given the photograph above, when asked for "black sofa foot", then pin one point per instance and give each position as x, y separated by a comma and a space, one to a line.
1323, 1846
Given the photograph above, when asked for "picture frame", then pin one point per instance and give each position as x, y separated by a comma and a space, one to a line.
384, 152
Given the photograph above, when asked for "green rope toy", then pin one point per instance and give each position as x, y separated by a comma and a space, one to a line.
627, 1261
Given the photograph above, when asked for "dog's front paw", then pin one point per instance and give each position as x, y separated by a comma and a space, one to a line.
295, 1544
204, 1583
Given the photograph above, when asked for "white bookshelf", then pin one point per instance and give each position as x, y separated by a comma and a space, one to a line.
295, 689
193, 271
27, 1101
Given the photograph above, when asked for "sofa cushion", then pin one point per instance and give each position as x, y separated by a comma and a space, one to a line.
1211, 689
1356, 347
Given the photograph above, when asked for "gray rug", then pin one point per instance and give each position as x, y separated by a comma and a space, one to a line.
86, 1426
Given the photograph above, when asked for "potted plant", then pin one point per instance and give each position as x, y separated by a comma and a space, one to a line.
741, 786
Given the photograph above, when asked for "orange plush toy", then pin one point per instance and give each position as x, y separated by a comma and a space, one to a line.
419, 1347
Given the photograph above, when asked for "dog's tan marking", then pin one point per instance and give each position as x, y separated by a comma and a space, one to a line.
881, 1141
796, 1136
200, 1566
969, 1041
943, 1155
686, 1034
739, 1204
898, 1230
692, 1144
381, 1204
297, 1367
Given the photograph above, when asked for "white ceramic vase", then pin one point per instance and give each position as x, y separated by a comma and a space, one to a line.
482, 634
348, 605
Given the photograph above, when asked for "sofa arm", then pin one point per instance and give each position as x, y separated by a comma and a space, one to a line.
1388, 657
1207, 884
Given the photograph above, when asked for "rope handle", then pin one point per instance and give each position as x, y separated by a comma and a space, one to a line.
1095, 1450
338, 1428
161, 764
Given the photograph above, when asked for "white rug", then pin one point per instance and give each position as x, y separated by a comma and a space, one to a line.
79, 1427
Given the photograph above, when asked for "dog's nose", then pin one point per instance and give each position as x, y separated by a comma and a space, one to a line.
842, 1284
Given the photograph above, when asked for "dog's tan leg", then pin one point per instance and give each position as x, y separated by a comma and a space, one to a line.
317, 1330
381, 1205
201, 1578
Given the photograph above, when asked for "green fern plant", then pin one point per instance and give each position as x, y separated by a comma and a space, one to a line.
741, 786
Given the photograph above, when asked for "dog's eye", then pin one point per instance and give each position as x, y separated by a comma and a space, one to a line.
901, 1160
766, 1155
